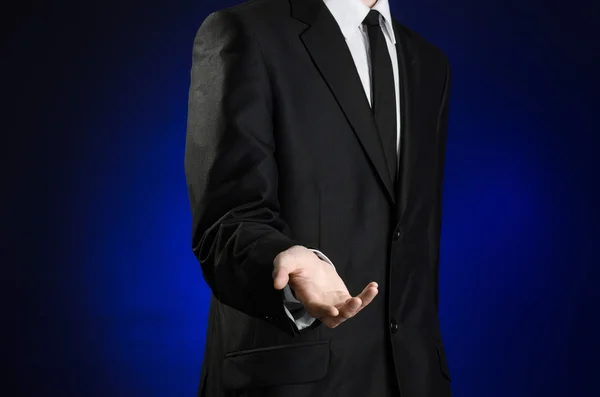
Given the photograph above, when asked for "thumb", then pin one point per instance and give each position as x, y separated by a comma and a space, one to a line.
281, 276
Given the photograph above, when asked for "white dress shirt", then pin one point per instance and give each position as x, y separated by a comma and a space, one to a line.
349, 15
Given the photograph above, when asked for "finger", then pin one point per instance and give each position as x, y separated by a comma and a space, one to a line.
330, 322
281, 277
352, 306
346, 310
367, 295
349, 308
321, 310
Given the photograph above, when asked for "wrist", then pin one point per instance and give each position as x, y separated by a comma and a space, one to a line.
289, 251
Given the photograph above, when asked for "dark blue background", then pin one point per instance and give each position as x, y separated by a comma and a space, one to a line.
102, 295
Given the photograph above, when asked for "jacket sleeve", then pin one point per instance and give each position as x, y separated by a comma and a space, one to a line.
436, 220
231, 171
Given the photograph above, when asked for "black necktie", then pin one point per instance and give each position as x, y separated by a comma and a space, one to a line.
383, 104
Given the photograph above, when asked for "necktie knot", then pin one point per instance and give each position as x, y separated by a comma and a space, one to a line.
372, 18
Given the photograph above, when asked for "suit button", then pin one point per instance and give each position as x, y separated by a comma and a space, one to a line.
397, 234
393, 326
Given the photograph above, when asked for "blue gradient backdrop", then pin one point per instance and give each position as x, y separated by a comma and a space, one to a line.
103, 293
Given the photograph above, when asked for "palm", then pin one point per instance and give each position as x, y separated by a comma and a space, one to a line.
331, 291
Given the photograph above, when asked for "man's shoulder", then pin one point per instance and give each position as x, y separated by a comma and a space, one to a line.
255, 9
248, 16
422, 45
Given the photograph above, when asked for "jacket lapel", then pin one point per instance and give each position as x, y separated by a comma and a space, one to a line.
409, 68
327, 47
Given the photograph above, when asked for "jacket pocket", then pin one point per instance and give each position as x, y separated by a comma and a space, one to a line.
276, 365
443, 362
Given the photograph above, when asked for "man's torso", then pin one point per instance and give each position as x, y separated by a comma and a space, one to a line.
335, 197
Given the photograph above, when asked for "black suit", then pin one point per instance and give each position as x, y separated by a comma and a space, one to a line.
282, 149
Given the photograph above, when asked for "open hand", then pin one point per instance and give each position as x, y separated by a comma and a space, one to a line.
318, 286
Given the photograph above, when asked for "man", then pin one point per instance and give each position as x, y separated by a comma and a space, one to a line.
314, 161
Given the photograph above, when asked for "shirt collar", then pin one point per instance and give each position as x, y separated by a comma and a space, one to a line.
350, 14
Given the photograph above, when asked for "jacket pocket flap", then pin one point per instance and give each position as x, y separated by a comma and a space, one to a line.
276, 365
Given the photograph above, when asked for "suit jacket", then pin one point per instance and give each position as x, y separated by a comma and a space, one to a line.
282, 149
